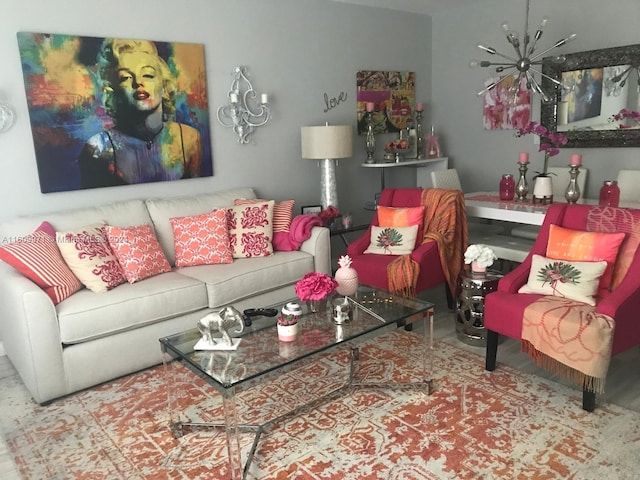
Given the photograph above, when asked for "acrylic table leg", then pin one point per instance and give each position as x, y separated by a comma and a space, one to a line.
233, 439
170, 380
427, 359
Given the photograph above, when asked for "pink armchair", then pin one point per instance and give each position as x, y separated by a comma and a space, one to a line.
504, 308
372, 268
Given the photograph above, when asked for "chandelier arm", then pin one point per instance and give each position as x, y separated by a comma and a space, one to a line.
526, 29
495, 84
551, 79
493, 51
559, 43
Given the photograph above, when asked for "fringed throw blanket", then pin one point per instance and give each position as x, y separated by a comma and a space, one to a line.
570, 339
445, 222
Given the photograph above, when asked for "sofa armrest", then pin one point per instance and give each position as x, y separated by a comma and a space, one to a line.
30, 335
360, 244
319, 245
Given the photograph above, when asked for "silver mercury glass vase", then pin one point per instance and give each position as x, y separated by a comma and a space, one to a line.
572, 193
522, 187
370, 139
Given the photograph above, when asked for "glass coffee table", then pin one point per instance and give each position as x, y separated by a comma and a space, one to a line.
261, 357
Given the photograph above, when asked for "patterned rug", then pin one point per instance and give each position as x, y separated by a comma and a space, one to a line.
476, 425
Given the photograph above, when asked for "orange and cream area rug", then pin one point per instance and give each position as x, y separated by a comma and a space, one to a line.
475, 425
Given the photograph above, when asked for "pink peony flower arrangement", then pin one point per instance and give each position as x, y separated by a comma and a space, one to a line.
315, 286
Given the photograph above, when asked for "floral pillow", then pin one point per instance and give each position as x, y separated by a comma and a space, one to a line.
568, 244
89, 256
202, 239
251, 229
138, 251
392, 240
38, 258
282, 217
562, 278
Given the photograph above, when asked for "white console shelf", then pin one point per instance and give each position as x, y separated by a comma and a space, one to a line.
424, 168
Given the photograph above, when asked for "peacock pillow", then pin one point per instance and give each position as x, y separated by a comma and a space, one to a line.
564, 278
392, 240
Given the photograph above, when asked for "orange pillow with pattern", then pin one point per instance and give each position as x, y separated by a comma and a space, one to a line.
402, 217
138, 251
202, 239
282, 217
251, 229
568, 244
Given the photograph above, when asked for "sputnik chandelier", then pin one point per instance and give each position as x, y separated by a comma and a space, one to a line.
522, 67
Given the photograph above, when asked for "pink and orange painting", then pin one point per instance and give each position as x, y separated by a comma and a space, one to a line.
507, 105
111, 111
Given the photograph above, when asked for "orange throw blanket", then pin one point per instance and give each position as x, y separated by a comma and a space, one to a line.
445, 222
569, 338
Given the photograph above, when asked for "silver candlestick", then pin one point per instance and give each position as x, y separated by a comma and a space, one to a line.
370, 139
522, 187
572, 193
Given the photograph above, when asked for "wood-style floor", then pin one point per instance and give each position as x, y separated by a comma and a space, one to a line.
623, 381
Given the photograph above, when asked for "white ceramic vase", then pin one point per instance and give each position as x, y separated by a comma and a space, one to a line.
543, 190
287, 333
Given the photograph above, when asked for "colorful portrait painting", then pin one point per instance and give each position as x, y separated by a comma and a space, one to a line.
507, 105
393, 96
111, 111
584, 96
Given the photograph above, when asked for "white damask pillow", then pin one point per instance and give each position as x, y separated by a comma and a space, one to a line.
564, 278
392, 240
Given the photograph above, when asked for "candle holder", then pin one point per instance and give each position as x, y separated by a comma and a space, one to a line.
419, 136
370, 139
572, 193
522, 187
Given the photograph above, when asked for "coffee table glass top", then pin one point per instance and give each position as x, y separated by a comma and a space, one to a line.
261, 352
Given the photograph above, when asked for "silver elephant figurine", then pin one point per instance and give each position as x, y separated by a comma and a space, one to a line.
221, 322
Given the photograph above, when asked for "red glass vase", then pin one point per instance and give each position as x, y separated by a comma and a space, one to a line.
609, 194
507, 187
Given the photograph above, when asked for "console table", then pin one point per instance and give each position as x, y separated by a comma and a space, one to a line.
424, 168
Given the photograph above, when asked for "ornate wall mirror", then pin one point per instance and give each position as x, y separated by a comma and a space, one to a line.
601, 83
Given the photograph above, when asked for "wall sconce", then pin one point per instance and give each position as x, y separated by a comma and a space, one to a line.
6, 117
244, 112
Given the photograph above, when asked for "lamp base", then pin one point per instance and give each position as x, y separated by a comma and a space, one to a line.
328, 183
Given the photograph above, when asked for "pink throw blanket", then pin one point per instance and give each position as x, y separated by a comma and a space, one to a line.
300, 231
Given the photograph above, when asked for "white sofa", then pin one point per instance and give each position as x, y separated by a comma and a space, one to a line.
90, 338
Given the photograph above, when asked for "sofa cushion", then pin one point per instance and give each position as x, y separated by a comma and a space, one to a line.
251, 229
282, 217
89, 256
38, 258
162, 210
88, 315
138, 251
248, 277
202, 239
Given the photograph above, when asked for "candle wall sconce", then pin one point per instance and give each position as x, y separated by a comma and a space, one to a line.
244, 112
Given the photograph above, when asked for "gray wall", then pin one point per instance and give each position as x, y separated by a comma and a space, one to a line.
482, 156
295, 50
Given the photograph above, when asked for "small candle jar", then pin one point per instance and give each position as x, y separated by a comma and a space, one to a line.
609, 194
507, 187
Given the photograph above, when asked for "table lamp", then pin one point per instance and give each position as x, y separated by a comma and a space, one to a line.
326, 144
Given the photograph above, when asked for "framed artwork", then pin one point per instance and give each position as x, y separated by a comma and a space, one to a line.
109, 111
392, 95
507, 105
311, 209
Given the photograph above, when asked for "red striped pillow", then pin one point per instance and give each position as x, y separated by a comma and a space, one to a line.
38, 258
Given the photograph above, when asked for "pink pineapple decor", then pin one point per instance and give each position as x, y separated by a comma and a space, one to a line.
346, 276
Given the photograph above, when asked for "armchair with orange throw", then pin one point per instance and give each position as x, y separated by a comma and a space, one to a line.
574, 301
415, 242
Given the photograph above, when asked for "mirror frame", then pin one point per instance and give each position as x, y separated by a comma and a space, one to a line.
627, 55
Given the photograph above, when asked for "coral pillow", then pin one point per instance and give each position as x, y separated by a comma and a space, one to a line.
89, 256
400, 217
392, 240
561, 278
282, 216
202, 239
38, 258
138, 251
251, 229
568, 244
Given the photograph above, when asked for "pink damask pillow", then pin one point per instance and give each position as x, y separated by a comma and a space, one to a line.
138, 251
202, 239
282, 217
38, 258
89, 256
251, 229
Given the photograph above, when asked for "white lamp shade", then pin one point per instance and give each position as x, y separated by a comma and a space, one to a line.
327, 141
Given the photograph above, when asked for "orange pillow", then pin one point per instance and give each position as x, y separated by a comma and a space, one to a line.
400, 217
138, 251
202, 239
578, 245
